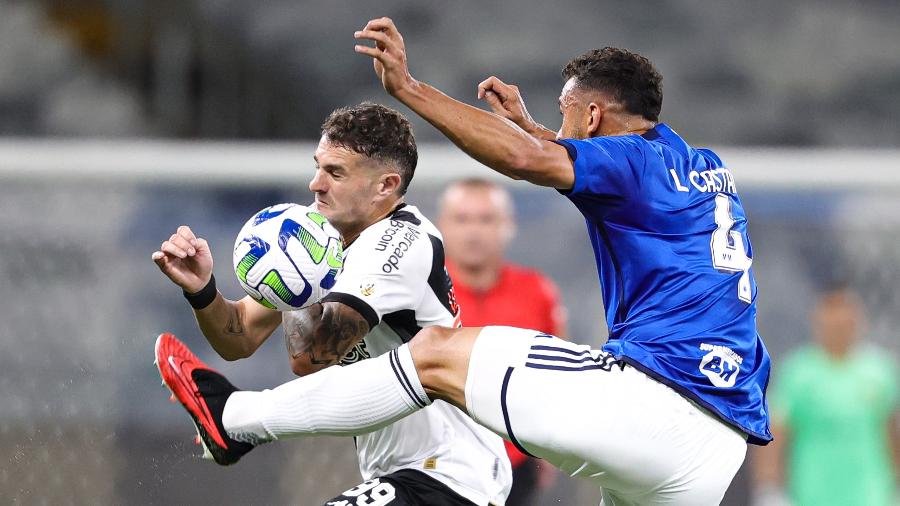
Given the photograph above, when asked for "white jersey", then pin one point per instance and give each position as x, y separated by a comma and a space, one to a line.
394, 275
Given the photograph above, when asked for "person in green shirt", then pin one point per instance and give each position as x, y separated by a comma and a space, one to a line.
835, 414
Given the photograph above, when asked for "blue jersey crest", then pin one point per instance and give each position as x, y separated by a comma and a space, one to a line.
670, 239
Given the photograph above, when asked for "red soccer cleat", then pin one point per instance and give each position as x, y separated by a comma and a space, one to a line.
203, 393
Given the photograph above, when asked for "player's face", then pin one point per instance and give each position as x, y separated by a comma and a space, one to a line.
345, 187
477, 226
575, 113
837, 320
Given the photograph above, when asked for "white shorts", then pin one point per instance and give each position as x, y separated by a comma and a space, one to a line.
594, 417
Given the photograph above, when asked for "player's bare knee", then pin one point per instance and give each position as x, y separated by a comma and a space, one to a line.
441, 356
428, 348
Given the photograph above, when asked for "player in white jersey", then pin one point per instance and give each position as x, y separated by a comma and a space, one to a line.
394, 276
393, 284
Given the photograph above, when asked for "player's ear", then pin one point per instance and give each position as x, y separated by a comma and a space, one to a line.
595, 116
389, 184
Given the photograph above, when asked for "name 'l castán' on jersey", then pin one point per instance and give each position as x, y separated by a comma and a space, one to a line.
670, 239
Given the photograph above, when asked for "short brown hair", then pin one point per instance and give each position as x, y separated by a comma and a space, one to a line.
377, 132
628, 77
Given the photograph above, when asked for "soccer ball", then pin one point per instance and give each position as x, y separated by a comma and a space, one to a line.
288, 256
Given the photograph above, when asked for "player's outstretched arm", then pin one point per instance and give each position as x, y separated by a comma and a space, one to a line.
489, 138
320, 335
235, 329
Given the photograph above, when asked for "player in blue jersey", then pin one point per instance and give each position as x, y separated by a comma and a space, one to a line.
660, 415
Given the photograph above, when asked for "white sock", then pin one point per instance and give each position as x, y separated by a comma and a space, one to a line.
341, 401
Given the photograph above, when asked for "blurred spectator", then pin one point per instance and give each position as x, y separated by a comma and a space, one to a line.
835, 410
476, 220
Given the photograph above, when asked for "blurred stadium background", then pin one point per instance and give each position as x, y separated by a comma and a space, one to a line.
122, 119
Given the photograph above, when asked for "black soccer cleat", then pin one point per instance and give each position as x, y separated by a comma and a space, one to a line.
203, 393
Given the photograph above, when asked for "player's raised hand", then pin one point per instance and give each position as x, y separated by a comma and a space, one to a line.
389, 53
185, 259
506, 101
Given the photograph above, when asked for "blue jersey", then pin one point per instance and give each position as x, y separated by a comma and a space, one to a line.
670, 238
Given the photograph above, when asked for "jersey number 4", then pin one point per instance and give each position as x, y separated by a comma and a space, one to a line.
729, 251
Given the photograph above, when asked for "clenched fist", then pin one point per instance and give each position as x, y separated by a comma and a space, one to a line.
506, 101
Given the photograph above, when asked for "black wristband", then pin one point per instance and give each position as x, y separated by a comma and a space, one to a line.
205, 296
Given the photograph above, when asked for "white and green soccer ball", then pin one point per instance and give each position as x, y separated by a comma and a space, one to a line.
288, 256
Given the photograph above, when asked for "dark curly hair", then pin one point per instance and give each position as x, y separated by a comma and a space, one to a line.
377, 132
628, 77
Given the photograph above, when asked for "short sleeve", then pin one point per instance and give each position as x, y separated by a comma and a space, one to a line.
606, 168
385, 270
